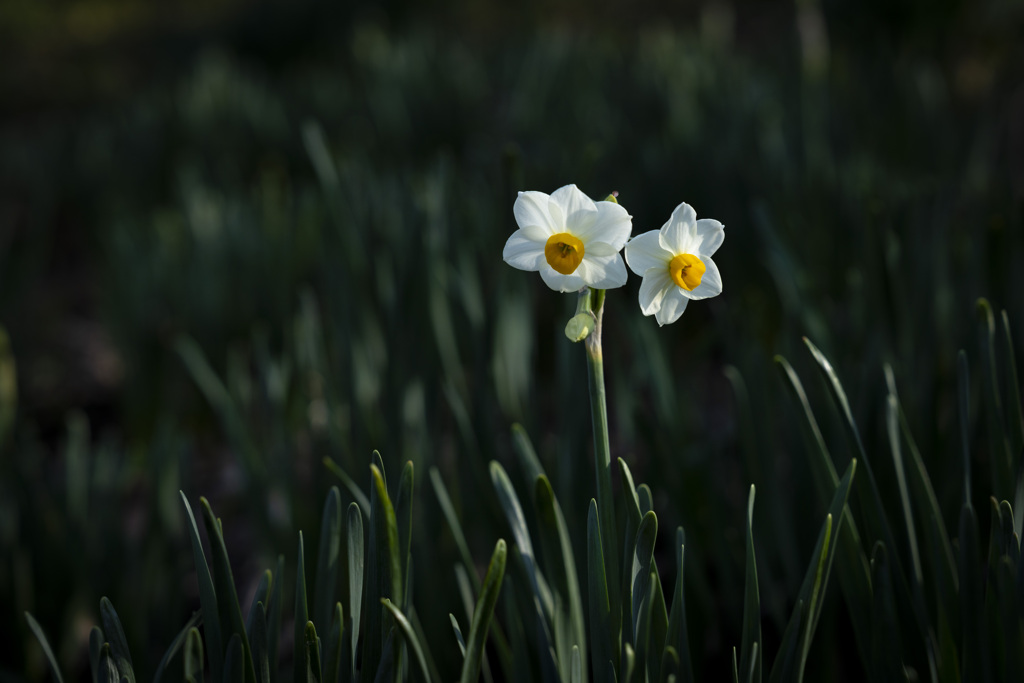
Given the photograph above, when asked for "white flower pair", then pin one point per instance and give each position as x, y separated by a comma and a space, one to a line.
575, 242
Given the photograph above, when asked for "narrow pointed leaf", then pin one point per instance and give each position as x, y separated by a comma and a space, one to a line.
677, 636
301, 614
793, 655
403, 516
528, 459
658, 628
1014, 410
106, 670
598, 601
96, 641
179, 641
258, 644
886, 650
212, 629
259, 599
751, 603
975, 663
448, 510
193, 656
483, 613
643, 555
458, 634
412, 641
521, 537
335, 644
557, 546
229, 610
328, 559
357, 493
234, 666
312, 651
274, 614
45, 644
356, 562
1001, 465
383, 574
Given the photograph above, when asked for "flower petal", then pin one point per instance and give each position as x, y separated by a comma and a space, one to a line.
603, 272
644, 252
672, 306
522, 252
679, 234
711, 234
600, 249
532, 210
652, 290
559, 282
612, 225
710, 283
578, 210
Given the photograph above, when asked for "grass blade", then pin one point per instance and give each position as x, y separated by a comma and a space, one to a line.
521, 536
557, 546
975, 663
640, 589
677, 636
259, 599
528, 459
403, 515
886, 662
37, 630
221, 401
483, 613
356, 562
599, 603
207, 599
411, 640
892, 428
193, 657
227, 597
312, 658
1014, 411
658, 630
357, 493
328, 555
448, 510
96, 641
633, 518
106, 670
115, 636
176, 644
234, 666
1002, 469
301, 613
274, 614
258, 644
383, 577
789, 665
751, 604
335, 645
458, 634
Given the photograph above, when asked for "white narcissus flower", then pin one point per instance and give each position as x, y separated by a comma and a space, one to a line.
572, 240
676, 264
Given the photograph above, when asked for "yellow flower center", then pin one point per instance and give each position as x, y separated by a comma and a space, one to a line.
564, 253
686, 271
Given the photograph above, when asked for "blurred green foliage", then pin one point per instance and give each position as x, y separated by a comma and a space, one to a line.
281, 250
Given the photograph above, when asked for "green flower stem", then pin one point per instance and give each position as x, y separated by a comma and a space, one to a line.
603, 459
